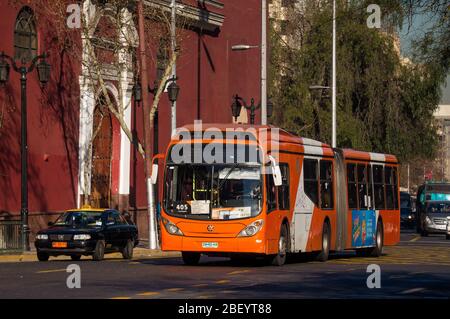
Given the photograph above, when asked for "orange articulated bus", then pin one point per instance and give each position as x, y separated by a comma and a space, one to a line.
232, 190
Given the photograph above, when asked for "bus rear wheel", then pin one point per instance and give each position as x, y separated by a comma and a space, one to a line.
379, 242
190, 259
326, 242
280, 258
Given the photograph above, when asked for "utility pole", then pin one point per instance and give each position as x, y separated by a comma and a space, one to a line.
147, 132
173, 30
264, 62
334, 78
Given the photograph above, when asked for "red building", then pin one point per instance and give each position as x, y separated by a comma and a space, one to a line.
61, 115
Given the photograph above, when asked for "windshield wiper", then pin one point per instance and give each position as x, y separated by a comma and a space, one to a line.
226, 176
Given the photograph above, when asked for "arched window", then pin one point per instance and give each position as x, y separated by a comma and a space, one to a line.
25, 37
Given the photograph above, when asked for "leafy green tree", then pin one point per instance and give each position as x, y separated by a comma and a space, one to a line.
385, 103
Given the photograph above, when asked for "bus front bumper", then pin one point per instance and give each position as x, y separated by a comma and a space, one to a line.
212, 245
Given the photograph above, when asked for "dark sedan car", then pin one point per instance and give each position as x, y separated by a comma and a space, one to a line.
87, 232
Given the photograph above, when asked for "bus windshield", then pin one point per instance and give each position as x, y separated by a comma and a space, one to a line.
221, 191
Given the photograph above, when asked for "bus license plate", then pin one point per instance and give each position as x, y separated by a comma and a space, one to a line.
210, 245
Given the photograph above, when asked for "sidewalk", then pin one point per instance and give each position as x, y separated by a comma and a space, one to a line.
139, 253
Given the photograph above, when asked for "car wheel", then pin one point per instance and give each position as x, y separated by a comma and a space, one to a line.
99, 251
127, 251
190, 259
42, 256
280, 258
75, 257
326, 243
424, 233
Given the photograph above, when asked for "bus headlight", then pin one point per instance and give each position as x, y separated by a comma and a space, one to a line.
171, 228
252, 229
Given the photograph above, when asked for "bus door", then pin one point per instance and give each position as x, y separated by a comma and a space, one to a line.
364, 218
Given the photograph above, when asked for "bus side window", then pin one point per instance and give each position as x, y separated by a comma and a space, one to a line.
362, 187
326, 184
271, 194
311, 180
389, 188
378, 182
370, 187
283, 190
351, 187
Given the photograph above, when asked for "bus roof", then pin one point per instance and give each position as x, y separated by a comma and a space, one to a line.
286, 137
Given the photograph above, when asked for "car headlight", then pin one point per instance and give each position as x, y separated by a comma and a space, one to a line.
42, 237
171, 227
428, 220
82, 237
252, 229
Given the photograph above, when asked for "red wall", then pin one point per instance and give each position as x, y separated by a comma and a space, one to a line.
52, 126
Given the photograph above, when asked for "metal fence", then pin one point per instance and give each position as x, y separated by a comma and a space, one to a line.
10, 231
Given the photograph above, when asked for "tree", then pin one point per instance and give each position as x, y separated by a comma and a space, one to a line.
384, 103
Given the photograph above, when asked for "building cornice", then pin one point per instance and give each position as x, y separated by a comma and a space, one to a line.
199, 17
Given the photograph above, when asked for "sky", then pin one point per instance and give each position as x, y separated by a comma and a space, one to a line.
419, 26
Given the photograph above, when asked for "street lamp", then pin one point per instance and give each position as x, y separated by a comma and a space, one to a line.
173, 90
238, 102
137, 92
43, 69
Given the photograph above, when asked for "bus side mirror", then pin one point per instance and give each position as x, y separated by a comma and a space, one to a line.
154, 177
276, 172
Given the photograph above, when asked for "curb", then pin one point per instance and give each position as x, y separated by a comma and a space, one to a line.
139, 253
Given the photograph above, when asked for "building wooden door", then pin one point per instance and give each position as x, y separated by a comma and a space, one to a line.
101, 158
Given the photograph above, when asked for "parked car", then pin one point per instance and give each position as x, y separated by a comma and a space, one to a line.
436, 218
407, 215
87, 232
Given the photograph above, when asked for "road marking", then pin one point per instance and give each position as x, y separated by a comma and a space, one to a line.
221, 282
415, 239
50, 271
148, 294
174, 289
134, 263
200, 285
238, 272
121, 298
410, 291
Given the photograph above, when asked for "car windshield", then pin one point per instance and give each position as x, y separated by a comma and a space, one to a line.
437, 208
225, 191
80, 219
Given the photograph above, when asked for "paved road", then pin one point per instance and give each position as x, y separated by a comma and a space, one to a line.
418, 267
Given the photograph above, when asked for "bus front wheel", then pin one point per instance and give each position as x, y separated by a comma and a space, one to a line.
280, 258
190, 259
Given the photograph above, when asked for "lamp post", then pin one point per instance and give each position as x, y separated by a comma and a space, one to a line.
239, 102
43, 69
